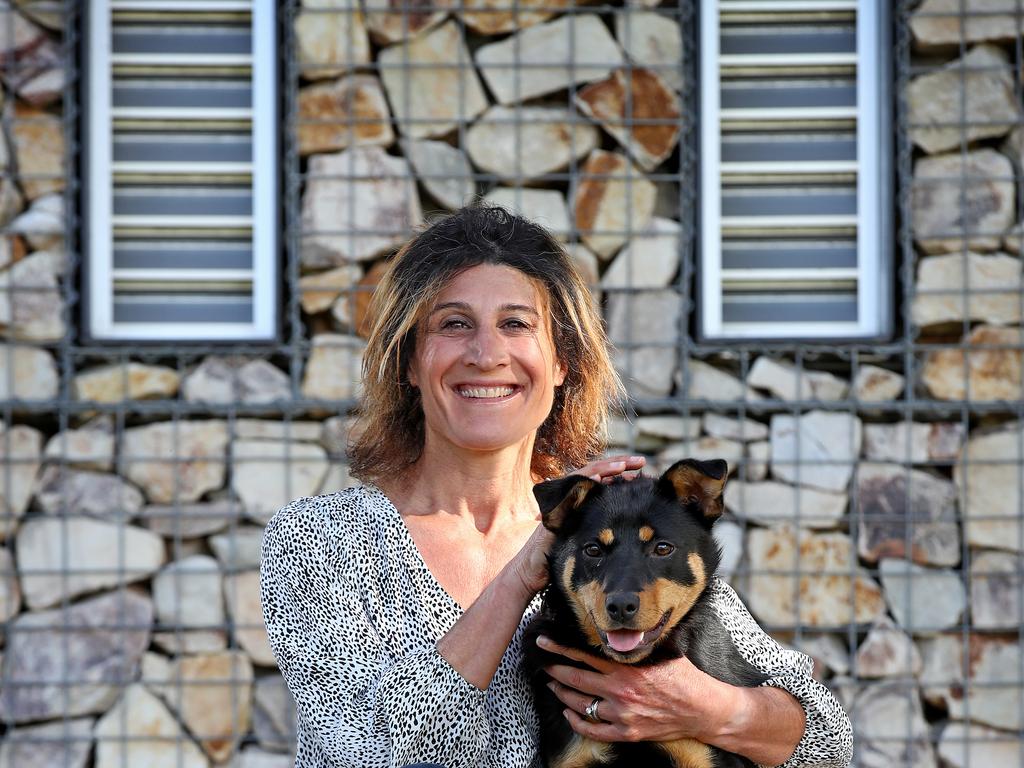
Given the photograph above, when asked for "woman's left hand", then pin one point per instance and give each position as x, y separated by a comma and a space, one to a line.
659, 702
603, 470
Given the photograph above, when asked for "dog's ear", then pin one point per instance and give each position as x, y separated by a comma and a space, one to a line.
558, 499
698, 483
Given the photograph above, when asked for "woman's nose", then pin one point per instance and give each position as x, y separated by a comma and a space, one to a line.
487, 349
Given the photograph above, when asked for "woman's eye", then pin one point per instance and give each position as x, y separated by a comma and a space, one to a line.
517, 325
663, 548
454, 323
592, 550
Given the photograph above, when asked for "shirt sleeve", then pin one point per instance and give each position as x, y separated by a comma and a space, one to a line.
358, 703
828, 737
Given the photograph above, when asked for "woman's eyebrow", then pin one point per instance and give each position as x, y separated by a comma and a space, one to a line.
464, 307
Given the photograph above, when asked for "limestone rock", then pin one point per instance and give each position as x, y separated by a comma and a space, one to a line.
755, 465
66, 744
788, 382
773, 504
818, 448
242, 594
212, 694
128, 381
357, 315
495, 17
670, 427
643, 328
522, 143
588, 265
906, 513
443, 170
391, 21
27, 373
941, 222
46, 86
235, 379
252, 757
654, 41
319, 291
239, 548
91, 447
65, 491
887, 652
800, 578
440, 91
985, 694
187, 594
11, 201
950, 22
572, 49
702, 449
343, 113
734, 429
333, 369
639, 109
991, 486
649, 260
330, 38
997, 579
274, 713
23, 35
37, 137
914, 442
993, 372
73, 661
698, 380
952, 288
627, 434
876, 385
828, 652
10, 592
266, 475
357, 204
335, 434
890, 728
175, 461
979, 84
31, 304
613, 202
139, 730
43, 224
923, 600
544, 206
20, 448
729, 536
268, 429
190, 521
962, 745
100, 554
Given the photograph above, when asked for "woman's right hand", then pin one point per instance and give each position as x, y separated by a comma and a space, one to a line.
603, 470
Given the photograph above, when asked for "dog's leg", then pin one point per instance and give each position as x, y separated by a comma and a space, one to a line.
584, 753
688, 753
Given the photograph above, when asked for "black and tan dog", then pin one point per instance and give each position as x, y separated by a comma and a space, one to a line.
630, 568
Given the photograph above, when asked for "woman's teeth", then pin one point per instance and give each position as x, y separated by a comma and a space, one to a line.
485, 391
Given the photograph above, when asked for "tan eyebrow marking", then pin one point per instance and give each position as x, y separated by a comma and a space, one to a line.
646, 533
606, 537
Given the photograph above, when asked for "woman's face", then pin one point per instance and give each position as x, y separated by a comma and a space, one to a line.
485, 363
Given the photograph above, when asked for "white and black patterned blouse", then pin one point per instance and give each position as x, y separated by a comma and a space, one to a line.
353, 615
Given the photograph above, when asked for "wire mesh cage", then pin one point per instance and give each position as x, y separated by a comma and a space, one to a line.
875, 510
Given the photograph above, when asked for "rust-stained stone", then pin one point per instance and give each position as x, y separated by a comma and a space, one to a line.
906, 513
946, 23
887, 651
980, 374
330, 38
362, 320
613, 201
335, 115
496, 17
320, 290
997, 579
38, 139
391, 21
829, 590
650, 129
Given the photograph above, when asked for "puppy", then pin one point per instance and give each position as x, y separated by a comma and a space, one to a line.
629, 571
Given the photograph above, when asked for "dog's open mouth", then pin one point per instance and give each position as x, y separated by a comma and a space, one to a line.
631, 640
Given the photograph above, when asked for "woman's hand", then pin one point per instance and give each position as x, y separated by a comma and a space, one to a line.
603, 470
659, 702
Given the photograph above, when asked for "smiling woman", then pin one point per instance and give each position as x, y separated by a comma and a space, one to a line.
397, 609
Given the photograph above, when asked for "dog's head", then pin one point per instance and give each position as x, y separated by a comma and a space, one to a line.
631, 558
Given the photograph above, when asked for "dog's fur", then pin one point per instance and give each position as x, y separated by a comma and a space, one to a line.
644, 545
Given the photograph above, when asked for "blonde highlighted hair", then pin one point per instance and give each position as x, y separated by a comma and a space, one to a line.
390, 430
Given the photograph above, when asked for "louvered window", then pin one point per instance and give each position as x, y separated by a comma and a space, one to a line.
795, 236
180, 198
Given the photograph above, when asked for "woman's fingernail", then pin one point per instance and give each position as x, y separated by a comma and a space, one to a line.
543, 642
638, 458
551, 685
565, 713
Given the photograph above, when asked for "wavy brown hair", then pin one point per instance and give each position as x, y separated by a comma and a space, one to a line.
389, 432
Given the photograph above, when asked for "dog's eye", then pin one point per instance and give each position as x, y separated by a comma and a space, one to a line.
592, 550
663, 548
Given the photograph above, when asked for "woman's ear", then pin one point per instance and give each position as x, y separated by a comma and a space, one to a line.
559, 372
411, 377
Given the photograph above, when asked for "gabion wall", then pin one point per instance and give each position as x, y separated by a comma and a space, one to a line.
876, 503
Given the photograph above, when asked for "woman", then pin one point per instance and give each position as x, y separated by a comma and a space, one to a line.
396, 609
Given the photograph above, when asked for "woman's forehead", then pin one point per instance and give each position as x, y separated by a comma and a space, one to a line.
490, 286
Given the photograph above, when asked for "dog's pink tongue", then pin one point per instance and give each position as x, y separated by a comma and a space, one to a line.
624, 641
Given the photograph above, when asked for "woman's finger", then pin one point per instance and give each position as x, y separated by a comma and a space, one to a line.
596, 731
613, 466
583, 680
594, 662
578, 702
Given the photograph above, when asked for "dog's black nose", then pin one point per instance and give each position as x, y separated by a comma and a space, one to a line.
622, 606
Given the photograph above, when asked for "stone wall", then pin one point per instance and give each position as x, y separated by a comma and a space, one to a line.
875, 504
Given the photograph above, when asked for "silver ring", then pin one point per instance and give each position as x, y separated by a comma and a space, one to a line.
591, 711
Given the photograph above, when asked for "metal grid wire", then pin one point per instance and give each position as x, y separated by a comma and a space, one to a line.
133, 550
